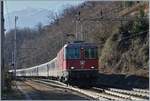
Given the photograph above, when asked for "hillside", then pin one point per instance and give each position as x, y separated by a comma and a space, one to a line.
123, 46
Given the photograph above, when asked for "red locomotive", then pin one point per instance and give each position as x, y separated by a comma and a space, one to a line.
78, 61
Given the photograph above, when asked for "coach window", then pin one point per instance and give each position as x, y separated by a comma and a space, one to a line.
73, 53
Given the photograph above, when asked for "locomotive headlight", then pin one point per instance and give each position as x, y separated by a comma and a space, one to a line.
72, 67
92, 67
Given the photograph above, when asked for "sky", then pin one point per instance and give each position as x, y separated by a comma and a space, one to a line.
54, 5
11, 6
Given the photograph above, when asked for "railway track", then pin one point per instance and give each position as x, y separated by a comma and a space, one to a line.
101, 94
123, 94
141, 90
132, 92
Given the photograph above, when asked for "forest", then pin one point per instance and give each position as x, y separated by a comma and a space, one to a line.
123, 45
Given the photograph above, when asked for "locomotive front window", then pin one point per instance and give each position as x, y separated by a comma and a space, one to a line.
73, 53
90, 53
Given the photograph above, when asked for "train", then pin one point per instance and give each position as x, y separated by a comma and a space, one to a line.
76, 62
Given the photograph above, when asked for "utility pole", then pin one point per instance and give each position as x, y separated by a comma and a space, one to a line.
15, 46
76, 29
79, 28
2, 47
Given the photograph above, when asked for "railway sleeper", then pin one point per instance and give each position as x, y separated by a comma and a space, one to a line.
124, 95
138, 94
141, 90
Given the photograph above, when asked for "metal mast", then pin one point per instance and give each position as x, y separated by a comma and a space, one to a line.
15, 45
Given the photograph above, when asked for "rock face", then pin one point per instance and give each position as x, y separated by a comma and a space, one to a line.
122, 81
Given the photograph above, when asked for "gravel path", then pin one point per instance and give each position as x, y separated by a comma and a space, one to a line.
36, 91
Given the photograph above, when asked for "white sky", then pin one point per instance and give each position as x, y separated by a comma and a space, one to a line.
51, 5
54, 5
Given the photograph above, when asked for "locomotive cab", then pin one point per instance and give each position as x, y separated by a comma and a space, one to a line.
81, 62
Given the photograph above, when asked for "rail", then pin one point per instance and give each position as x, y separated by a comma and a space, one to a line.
97, 93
